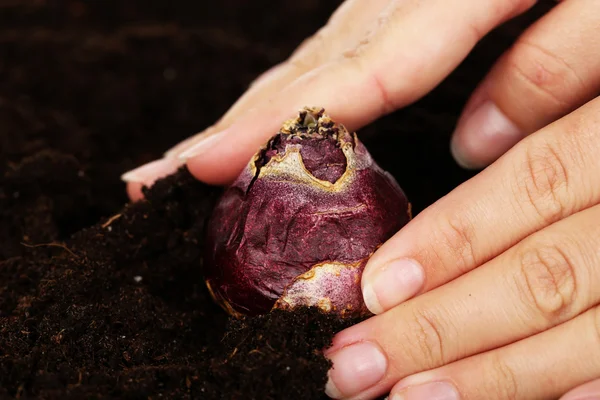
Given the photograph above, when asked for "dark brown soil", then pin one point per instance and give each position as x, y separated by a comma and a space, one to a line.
101, 300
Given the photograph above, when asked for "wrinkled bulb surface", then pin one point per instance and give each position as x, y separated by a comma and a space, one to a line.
300, 222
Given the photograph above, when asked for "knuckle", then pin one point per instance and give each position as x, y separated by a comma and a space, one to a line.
548, 77
387, 102
457, 250
506, 8
547, 281
545, 182
375, 80
501, 379
429, 335
357, 50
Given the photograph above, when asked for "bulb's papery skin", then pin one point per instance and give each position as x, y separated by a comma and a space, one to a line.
331, 286
281, 237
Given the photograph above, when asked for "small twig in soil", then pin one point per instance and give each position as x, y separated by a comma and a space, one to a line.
111, 220
233, 353
74, 385
62, 246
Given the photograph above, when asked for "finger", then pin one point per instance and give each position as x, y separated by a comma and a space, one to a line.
546, 177
262, 87
347, 24
134, 191
147, 174
589, 391
382, 73
551, 70
545, 280
544, 366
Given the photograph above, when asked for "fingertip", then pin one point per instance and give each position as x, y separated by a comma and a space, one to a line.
462, 158
150, 172
371, 299
483, 135
134, 191
147, 174
392, 284
356, 368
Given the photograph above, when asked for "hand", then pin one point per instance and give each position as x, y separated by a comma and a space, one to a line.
376, 56
508, 271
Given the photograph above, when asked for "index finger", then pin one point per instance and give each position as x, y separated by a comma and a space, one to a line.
413, 46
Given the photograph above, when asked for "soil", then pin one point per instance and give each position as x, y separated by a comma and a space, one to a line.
103, 299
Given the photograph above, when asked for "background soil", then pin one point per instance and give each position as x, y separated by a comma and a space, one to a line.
102, 300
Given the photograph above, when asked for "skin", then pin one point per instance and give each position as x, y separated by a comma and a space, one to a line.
494, 299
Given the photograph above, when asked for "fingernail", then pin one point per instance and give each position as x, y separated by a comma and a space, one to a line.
198, 147
355, 368
150, 172
180, 147
482, 136
174, 151
395, 282
429, 391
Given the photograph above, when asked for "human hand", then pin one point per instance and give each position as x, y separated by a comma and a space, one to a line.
507, 269
376, 56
